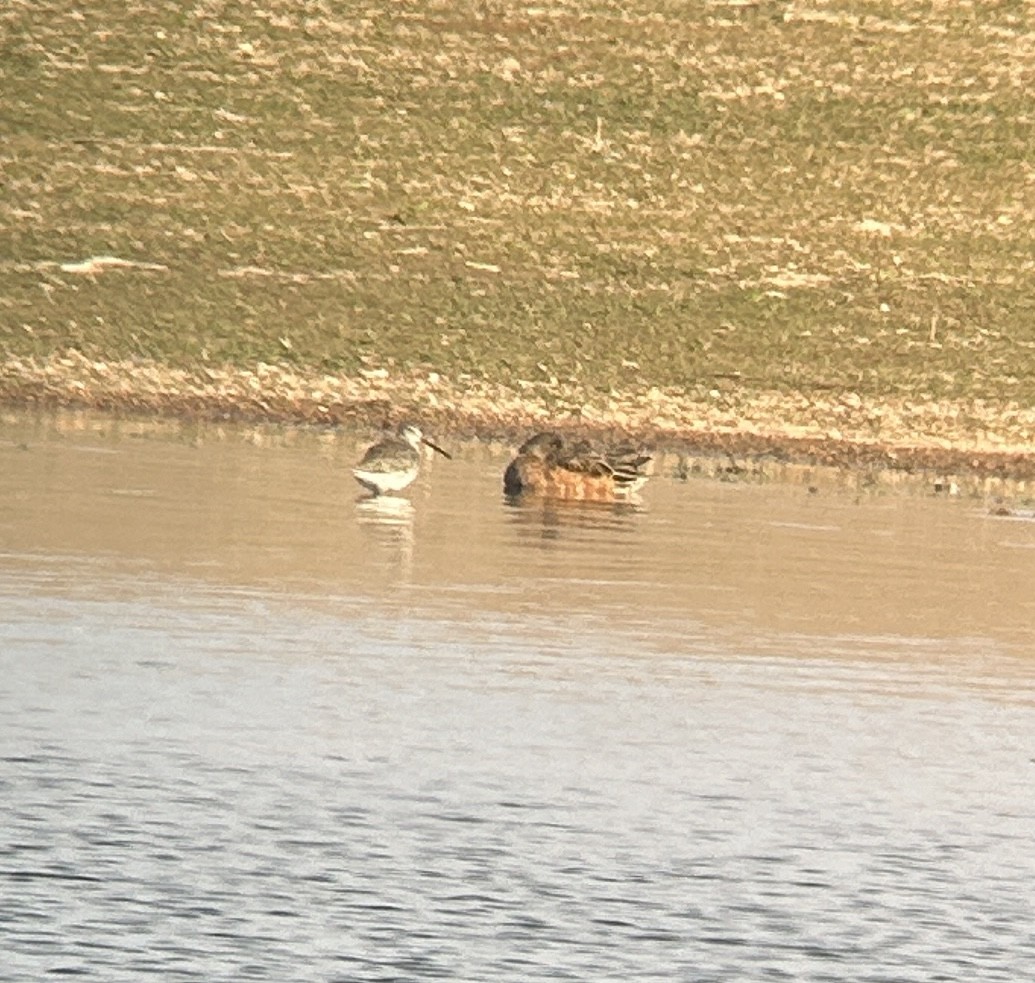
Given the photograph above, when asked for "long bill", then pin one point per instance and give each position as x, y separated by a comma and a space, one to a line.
435, 447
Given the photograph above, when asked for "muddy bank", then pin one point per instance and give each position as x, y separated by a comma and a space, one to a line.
840, 430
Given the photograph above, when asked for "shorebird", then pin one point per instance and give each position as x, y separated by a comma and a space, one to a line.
549, 466
392, 464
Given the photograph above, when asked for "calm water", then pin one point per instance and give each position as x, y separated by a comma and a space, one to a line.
253, 729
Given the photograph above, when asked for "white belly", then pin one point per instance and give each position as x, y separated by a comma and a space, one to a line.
380, 482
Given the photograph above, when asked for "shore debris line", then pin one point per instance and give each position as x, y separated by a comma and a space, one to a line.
841, 430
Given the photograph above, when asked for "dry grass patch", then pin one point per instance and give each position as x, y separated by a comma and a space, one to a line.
804, 198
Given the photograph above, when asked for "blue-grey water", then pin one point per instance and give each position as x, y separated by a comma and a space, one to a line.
253, 729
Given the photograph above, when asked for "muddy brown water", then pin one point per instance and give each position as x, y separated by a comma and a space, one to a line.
255, 727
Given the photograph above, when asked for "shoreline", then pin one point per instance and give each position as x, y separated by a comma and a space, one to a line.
973, 440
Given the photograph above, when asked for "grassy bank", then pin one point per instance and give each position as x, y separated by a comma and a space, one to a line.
715, 200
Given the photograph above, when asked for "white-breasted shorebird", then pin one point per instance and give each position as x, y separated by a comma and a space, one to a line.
392, 464
548, 465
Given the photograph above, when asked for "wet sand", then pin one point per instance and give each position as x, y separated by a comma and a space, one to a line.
842, 430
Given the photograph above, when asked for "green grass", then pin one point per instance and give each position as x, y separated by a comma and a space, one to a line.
796, 196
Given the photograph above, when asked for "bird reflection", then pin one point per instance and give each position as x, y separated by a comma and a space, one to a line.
553, 519
385, 510
388, 519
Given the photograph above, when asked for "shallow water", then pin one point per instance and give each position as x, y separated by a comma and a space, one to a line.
254, 728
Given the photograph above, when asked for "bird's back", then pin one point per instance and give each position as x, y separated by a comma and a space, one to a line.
547, 464
393, 454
